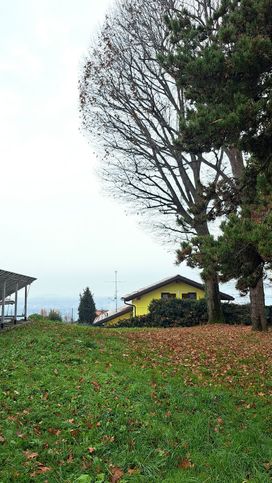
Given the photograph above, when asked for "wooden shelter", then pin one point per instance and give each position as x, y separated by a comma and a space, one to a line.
10, 284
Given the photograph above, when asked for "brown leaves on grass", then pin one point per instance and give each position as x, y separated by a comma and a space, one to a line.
185, 464
96, 386
41, 470
217, 354
30, 455
70, 458
54, 431
116, 474
133, 471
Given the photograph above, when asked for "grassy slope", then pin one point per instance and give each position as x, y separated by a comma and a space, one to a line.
121, 406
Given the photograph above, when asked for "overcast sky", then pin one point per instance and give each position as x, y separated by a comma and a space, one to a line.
55, 223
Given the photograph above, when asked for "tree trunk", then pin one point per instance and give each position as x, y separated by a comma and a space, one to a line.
215, 313
236, 162
257, 299
257, 308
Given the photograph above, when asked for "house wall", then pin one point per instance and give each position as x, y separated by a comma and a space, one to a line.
116, 319
178, 288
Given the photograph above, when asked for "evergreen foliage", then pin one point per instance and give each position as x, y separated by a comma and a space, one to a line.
224, 65
86, 308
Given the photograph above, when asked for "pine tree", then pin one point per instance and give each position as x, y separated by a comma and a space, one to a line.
224, 66
86, 308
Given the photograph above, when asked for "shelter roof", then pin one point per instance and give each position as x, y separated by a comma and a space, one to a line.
12, 279
166, 281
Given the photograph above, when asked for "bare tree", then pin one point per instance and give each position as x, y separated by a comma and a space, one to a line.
132, 106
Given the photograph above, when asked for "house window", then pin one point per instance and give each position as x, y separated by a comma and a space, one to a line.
189, 295
168, 295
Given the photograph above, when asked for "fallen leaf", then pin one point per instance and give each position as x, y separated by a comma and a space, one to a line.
133, 471
42, 469
185, 464
108, 439
20, 435
70, 458
54, 431
96, 386
29, 455
2, 439
91, 450
12, 418
116, 474
268, 466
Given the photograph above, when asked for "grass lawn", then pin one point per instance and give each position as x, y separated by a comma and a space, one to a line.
173, 405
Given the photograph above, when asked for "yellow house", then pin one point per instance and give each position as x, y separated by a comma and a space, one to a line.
137, 302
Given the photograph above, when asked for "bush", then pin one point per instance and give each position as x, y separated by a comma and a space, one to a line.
36, 317
142, 321
178, 312
236, 314
188, 313
54, 315
268, 312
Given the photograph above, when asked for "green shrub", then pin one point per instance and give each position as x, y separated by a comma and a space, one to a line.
37, 317
188, 313
54, 315
236, 314
178, 312
142, 321
268, 312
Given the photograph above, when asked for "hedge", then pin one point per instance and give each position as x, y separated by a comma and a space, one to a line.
187, 313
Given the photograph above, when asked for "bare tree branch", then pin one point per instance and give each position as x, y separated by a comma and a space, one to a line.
132, 107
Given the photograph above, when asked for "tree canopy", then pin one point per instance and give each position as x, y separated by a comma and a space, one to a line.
225, 65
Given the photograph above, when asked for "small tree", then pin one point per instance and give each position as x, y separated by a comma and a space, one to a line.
86, 308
